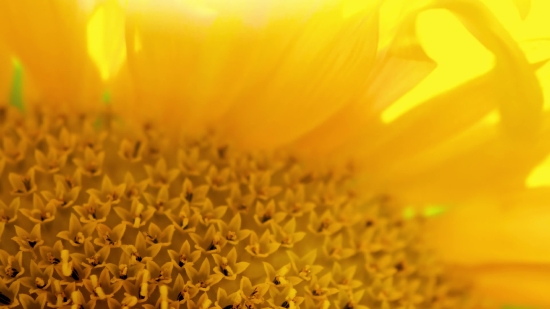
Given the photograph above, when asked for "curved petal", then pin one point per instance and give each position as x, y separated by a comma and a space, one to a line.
517, 88
398, 68
478, 164
289, 74
454, 154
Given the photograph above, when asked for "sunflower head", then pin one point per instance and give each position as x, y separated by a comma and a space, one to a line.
219, 155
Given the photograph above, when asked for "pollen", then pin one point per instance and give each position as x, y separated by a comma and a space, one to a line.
94, 214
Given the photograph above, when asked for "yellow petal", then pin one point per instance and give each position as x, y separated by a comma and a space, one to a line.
517, 90
56, 31
477, 164
105, 38
508, 285
502, 247
285, 76
6, 73
399, 68
511, 86
325, 68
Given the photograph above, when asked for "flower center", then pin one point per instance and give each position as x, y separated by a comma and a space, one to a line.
267, 229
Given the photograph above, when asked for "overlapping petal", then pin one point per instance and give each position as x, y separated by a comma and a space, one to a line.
312, 79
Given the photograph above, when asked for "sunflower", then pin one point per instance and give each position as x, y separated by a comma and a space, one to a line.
313, 154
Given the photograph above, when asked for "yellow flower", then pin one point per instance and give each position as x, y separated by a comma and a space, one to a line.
77, 234
185, 256
8, 294
28, 241
63, 196
12, 265
93, 210
50, 163
222, 298
277, 153
57, 298
101, 288
23, 184
93, 257
228, 266
252, 294
29, 302
110, 193
8, 214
